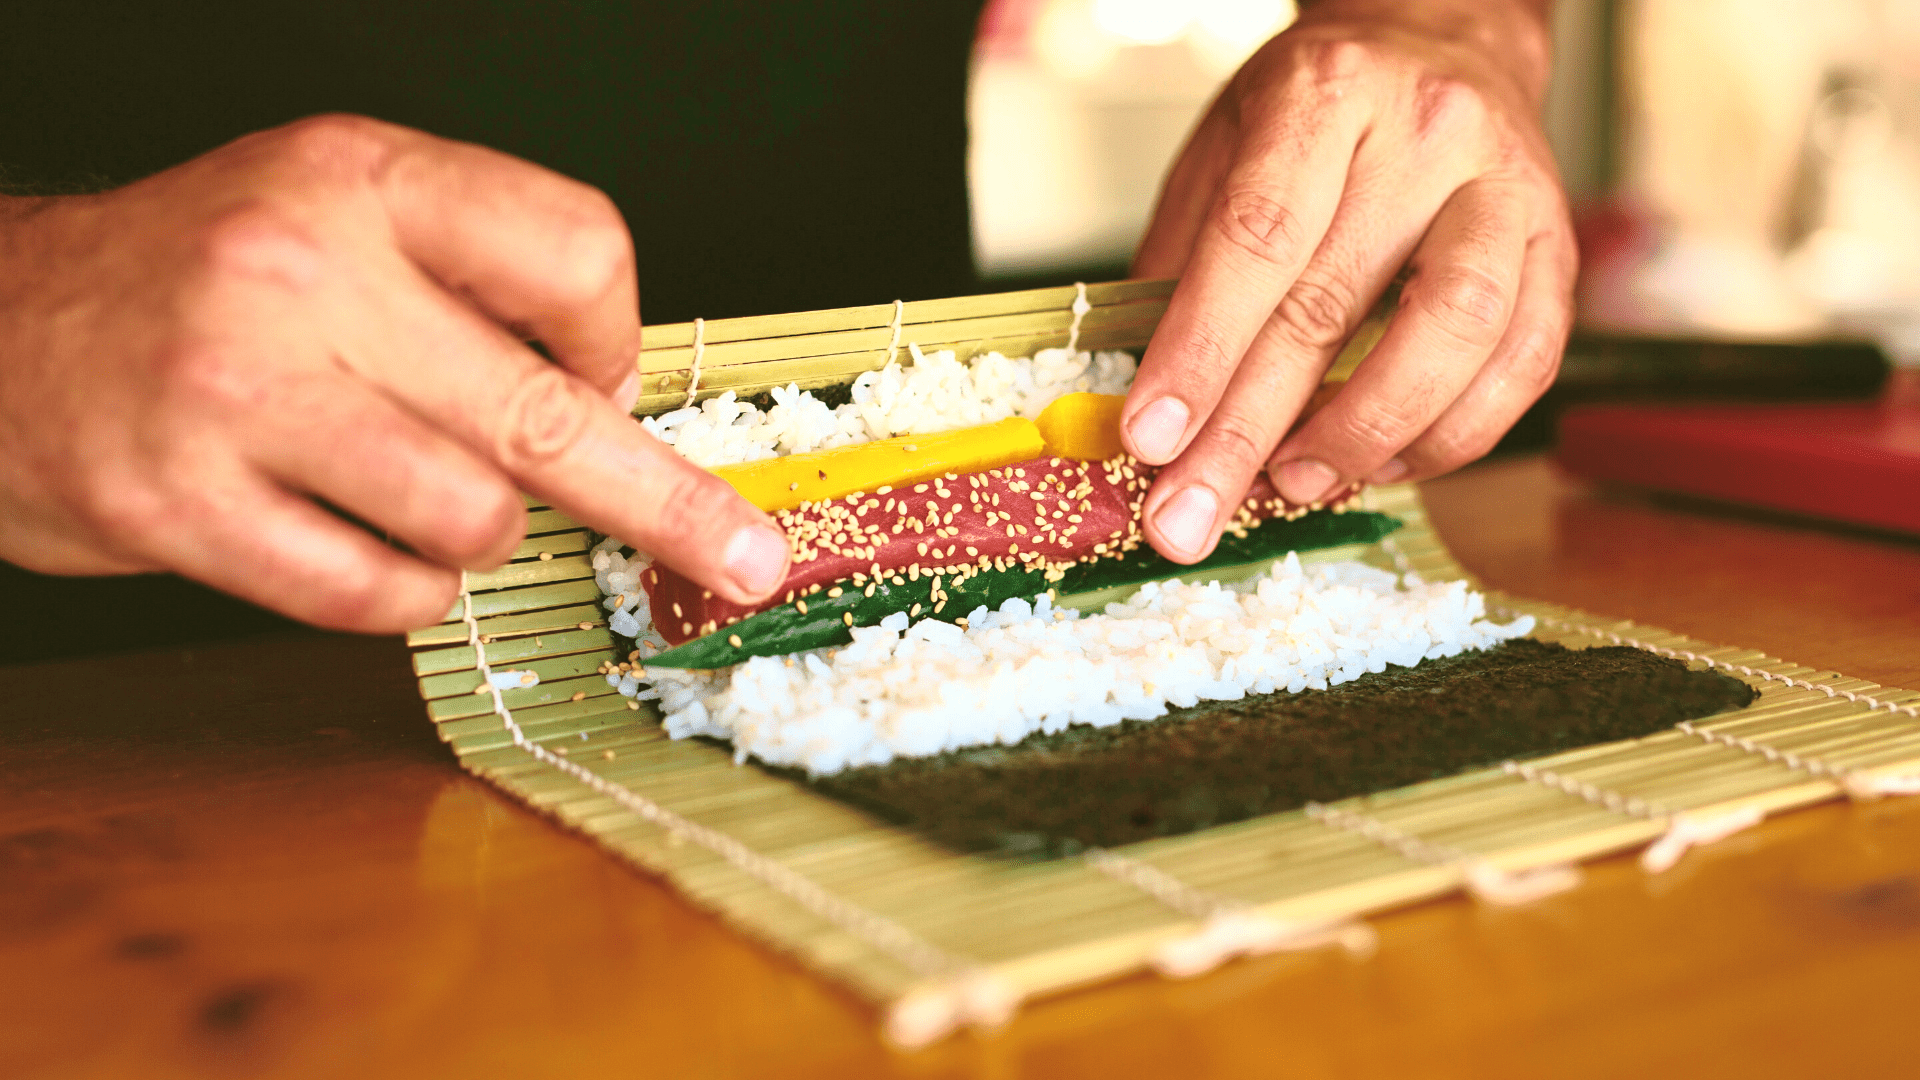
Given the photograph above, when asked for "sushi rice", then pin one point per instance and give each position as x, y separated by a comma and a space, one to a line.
909, 689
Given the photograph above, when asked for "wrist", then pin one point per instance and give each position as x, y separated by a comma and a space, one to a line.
1514, 34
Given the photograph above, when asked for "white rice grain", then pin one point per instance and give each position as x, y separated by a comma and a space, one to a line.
906, 689
936, 392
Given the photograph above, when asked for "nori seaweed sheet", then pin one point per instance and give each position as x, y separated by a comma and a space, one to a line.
1226, 761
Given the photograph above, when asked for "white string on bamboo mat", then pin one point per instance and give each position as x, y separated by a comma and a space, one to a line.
1080, 309
1684, 828
699, 350
1228, 928
1858, 783
899, 314
1483, 879
958, 992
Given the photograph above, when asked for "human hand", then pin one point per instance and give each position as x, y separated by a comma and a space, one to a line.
333, 313
1371, 135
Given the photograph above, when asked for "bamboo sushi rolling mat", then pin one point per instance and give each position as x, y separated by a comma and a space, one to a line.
936, 939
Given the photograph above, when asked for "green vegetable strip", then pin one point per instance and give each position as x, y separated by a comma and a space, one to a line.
784, 629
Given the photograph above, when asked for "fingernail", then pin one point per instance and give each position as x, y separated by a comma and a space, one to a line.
629, 393
1156, 430
1304, 481
1186, 521
1388, 473
757, 559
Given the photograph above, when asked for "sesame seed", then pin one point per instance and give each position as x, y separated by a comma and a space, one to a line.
733, 640
634, 705
802, 605
578, 695
847, 618
546, 556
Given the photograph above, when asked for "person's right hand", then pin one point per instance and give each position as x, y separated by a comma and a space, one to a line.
194, 367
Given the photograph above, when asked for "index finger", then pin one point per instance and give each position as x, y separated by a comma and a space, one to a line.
1269, 216
546, 256
560, 439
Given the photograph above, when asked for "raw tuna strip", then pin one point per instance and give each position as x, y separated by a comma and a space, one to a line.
1044, 513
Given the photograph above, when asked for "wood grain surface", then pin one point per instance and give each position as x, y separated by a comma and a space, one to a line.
256, 860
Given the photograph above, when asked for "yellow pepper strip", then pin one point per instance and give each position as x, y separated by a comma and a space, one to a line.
1083, 426
786, 482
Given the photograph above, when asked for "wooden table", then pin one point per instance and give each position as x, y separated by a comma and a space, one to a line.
255, 859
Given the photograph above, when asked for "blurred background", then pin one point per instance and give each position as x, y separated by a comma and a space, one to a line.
1745, 176
1744, 169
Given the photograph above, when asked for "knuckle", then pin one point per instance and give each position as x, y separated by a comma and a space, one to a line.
428, 604
1536, 360
1255, 223
354, 598
120, 509
335, 143
1334, 61
370, 597
202, 376
257, 242
1240, 438
594, 253
1316, 313
546, 413
481, 528
1206, 349
1464, 303
1446, 449
1381, 424
695, 503
1446, 106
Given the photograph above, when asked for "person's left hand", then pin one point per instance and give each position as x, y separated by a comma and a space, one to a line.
1369, 137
